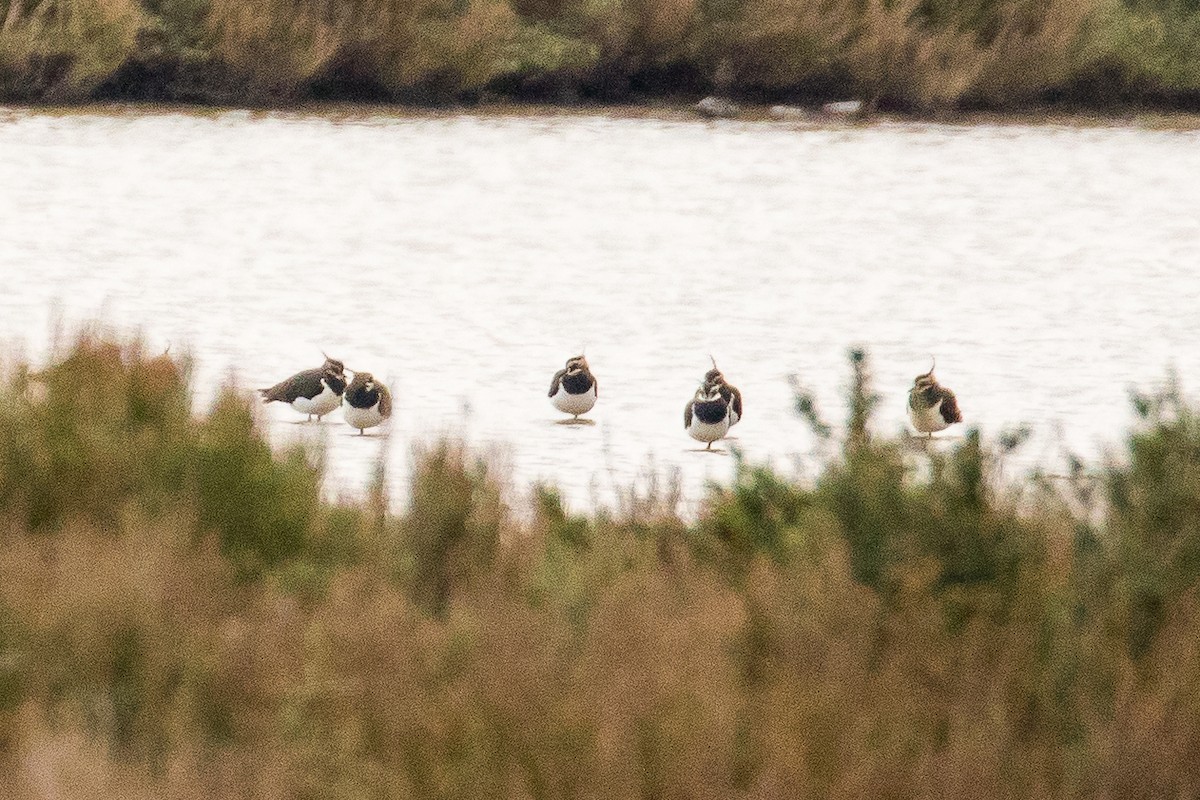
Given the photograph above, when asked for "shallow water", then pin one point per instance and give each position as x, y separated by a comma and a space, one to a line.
463, 258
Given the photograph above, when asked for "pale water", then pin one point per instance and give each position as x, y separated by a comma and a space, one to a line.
463, 258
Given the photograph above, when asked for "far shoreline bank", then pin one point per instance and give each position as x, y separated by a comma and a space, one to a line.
1143, 117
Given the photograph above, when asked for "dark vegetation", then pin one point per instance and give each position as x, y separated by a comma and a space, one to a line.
913, 55
182, 614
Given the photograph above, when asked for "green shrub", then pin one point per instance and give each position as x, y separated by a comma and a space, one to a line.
183, 614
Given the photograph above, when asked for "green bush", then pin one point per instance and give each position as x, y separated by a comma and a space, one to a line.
183, 614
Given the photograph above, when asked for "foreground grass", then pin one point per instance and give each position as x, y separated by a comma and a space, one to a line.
183, 615
915, 55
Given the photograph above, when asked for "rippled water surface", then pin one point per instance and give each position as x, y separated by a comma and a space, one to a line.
464, 258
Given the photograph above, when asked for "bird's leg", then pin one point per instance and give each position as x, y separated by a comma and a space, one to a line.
708, 446
361, 431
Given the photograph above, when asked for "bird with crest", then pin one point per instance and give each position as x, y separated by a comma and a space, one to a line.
314, 392
574, 389
931, 406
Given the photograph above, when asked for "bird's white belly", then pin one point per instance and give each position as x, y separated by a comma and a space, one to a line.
708, 431
320, 405
928, 420
362, 417
569, 403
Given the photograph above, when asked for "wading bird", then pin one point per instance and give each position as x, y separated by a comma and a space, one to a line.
931, 406
313, 391
706, 417
367, 402
573, 389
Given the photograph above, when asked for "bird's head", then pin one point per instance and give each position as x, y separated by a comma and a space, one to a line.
363, 380
332, 365
926, 379
714, 376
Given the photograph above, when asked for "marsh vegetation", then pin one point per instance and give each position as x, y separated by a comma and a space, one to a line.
184, 614
915, 55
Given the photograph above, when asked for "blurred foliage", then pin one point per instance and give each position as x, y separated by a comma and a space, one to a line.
182, 614
62, 50
922, 56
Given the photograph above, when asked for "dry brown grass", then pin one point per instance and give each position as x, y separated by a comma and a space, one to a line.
777, 43
676, 686
888, 632
920, 55
1037, 47
63, 49
272, 48
1021, 50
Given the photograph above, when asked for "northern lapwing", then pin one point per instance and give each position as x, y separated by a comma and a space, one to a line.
706, 416
730, 392
313, 391
931, 406
367, 402
573, 389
